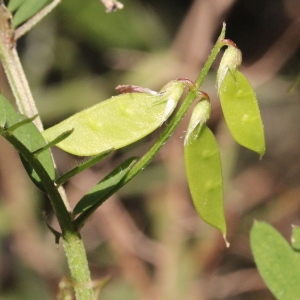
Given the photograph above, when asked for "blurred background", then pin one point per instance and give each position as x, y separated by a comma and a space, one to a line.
148, 238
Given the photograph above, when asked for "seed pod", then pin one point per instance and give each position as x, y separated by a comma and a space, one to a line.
117, 122
204, 175
239, 104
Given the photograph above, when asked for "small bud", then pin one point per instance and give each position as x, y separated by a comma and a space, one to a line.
199, 117
231, 60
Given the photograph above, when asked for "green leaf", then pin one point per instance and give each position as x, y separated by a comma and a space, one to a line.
116, 122
204, 175
276, 261
241, 111
26, 10
85, 165
14, 4
30, 137
98, 194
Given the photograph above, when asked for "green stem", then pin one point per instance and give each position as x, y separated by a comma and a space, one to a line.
16, 76
214, 52
73, 245
147, 158
191, 96
20, 31
72, 241
13, 69
78, 265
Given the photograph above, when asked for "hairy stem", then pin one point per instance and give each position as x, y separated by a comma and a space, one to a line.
72, 241
73, 245
13, 69
191, 96
20, 31
169, 130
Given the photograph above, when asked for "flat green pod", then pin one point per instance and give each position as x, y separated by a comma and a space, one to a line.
241, 111
116, 122
204, 175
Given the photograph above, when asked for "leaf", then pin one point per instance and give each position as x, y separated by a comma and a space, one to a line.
98, 194
204, 175
83, 166
116, 122
14, 4
276, 261
26, 10
30, 137
241, 111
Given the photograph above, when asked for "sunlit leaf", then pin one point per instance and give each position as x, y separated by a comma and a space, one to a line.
276, 261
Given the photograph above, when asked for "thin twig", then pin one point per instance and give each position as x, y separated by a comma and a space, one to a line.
35, 19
